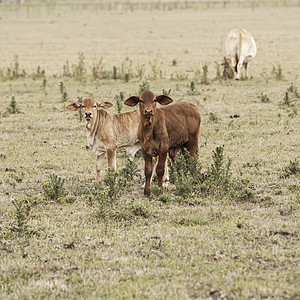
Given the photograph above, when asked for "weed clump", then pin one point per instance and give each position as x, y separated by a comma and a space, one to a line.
144, 86
190, 180
140, 69
204, 78
277, 71
192, 87
119, 101
130, 170
13, 108
293, 168
227, 69
291, 96
54, 189
79, 69
21, 215
264, 98
80, 114
106, 194
213, 118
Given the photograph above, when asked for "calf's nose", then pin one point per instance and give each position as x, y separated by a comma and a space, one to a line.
88, 114
148, 111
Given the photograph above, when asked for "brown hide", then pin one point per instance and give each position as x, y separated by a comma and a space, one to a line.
165, 130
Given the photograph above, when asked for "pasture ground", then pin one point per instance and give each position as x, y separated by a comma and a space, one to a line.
193, 246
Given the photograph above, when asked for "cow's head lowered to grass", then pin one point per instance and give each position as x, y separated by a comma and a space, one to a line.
147, 105
90, 109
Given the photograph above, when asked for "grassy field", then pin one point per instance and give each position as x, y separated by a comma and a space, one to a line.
233, 238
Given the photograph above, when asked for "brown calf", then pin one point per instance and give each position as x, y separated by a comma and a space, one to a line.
164, 130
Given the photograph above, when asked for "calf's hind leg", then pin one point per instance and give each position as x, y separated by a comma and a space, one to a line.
192, 145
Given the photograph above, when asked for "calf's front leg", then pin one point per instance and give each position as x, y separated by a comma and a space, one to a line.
160, 168
148, 174
111, 158
99, 166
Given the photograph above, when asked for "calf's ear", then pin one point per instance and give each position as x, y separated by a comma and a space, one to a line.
132, 101
73, 106
163, 100
105, 105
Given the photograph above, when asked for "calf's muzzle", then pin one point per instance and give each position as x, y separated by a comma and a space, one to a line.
87, 115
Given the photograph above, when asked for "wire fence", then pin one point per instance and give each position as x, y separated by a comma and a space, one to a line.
19, 8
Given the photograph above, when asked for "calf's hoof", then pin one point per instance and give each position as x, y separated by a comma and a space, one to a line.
147, 193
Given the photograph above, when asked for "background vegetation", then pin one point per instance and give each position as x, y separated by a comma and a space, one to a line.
227, 225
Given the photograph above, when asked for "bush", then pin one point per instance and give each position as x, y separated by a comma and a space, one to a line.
277, 71
292, 169
264, 98
12, 108
130, 170
107, 193
21, 214
144, 86
190, 180
54, 188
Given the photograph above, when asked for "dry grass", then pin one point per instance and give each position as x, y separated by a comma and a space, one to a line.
208, 247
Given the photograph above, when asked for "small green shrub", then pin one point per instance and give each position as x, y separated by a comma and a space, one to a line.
213, 118
139, 210
53, 188
292, 169
291, 96
264, 98
218, 71
61, 87
21, 214
277, 71
204, 78
126, 71
130, 170
144, 86
79, 70
166, 93
164, 198
192, 87
293, 90
191, 181
174, 62
38, 74
140, 69
80, 114
179, 77
12, 108
66, 70
227, 69
114, 183
155, 67
119, 101
106, 194
44, 84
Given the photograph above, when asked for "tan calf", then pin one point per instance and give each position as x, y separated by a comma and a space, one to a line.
106, 133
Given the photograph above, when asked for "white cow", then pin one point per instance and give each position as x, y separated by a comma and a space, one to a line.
240, 50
